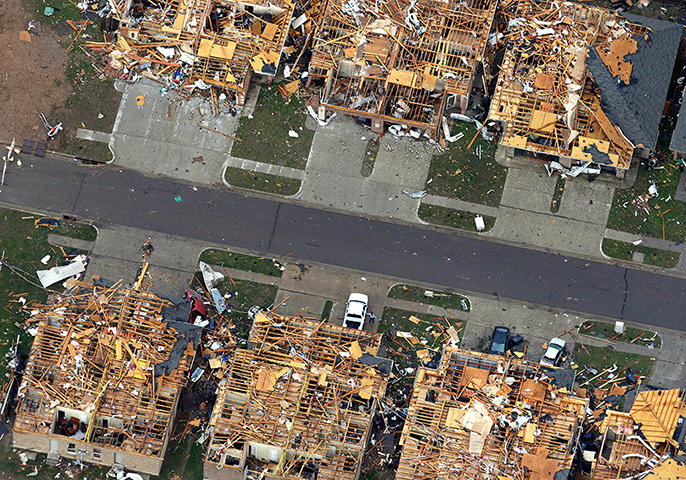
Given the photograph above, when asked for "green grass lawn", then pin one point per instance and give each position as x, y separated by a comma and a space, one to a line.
450, 217
557, 195
24, 246
653, 256
264, 138
262, 182
241, 261
605, 330
460, 173
370, 155
403, 351
665, 207
601, 358
439, 298
183, 458
243, 295
12, 469
326, 311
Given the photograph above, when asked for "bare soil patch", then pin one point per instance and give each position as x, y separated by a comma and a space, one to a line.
32, 74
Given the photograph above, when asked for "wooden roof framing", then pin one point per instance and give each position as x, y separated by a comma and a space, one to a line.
359, 46
95, 353
223, 50
634, 443
301, 392
545, 73
658, 413
462, 421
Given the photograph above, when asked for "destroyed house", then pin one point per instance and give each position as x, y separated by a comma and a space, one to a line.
643, 440
582, 83
217, 42
400, 63
482, 416
297, 404
103, 379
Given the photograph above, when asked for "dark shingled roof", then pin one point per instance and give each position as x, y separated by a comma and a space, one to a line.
678, 143
637, 107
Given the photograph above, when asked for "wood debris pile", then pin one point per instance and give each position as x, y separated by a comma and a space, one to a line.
643, 440
199, 43
399, 62
105, 370
486, 416
641, 204
300, 398
545, 92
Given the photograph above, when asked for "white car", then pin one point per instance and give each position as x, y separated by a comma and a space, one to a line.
553, 354
356, 311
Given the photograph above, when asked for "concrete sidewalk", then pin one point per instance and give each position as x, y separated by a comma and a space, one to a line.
118, 256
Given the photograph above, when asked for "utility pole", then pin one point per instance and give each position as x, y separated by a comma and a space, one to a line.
7, 158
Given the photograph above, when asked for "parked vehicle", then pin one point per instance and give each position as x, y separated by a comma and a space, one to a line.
500, 341
554, 352
356, 311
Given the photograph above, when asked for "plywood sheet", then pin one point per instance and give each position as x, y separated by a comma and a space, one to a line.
533, 390
256, 27
265, 380
601, 145
367, 388
355, 350
265, 62
377, 50
517, 141
204, 47
269, 31
478, 376
543, 121
180, 19
544, 81
615, 59
224, 52
402, 77
454, 417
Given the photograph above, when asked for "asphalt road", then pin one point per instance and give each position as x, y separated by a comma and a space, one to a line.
111, 195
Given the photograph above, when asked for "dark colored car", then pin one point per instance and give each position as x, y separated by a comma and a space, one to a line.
500, 341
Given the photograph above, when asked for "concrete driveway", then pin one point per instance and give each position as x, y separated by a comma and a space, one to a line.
524, 215
162, 136
333, 177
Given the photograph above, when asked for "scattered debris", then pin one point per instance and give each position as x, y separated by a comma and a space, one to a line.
562, 81
316, 386
486, 399
106, 368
